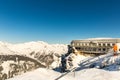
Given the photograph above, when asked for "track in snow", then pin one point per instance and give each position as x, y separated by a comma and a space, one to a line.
73, 69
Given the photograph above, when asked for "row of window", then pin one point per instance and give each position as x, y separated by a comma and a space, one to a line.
92, 44
92, 49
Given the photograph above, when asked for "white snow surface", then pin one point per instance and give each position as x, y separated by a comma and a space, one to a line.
40, 74
86, 74
111, 71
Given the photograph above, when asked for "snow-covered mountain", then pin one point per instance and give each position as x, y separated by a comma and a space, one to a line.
4, 48
29, 47
104, 67
95, 68
39, 50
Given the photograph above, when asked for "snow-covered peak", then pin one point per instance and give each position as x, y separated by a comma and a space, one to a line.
4, 43
35, 43
4, 50
33, 46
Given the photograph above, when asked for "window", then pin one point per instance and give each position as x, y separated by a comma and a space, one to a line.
113, 44
99, 44
82, 44
79, 44
104, 49
79, 48
94, 49
99, 49
73, 44
104, 44
108, 44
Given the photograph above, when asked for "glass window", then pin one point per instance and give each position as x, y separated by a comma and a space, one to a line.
103, 44
104, 49
108, 44
79, 44
113, 44
73, 44
99, 44
94, 49
99, 49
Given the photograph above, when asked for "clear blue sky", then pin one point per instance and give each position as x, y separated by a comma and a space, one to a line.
58, 21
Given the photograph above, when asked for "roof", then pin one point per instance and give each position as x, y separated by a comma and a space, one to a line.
115, 40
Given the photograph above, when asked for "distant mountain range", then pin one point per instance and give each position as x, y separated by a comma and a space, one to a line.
30, 47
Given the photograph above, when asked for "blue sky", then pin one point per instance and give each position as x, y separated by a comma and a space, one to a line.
58, 21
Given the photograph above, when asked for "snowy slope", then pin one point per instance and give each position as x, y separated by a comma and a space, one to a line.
40, 74
97, 74
86, 74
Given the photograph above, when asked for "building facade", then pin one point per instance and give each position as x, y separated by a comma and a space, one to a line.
95, 45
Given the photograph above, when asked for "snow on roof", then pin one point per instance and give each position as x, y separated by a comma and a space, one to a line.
98, 38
